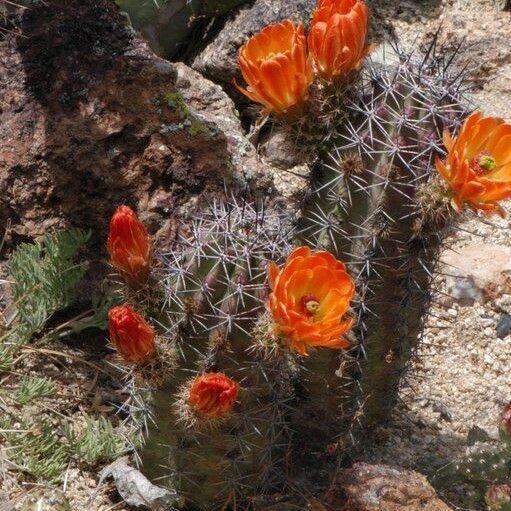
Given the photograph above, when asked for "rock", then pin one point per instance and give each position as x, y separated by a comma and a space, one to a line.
219, 62
168, 25
476, 434
91, 118
136, 490
210, 103
378, 487
49, 499
279, 148
477, 272
5, 504
504, 326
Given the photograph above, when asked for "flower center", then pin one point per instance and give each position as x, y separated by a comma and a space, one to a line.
310, 304
272, 55
483, 163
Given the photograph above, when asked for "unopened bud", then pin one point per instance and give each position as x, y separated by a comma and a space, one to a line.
498, 497
505, 424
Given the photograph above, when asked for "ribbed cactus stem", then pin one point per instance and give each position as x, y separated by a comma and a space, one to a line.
368, 206
217, 287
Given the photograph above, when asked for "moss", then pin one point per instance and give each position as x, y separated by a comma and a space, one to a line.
175, 101
198, 128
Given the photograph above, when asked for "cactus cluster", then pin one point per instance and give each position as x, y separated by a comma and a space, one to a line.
374, 202
485, 472
214, 280
259, 398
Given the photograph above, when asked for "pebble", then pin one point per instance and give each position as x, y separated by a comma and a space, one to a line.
504, 326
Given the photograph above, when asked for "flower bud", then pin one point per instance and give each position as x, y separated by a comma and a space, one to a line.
498, 497
337, 37
213, 394
129, 245
505, 424
131, 334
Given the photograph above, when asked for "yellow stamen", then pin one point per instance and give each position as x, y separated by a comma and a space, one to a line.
487, 162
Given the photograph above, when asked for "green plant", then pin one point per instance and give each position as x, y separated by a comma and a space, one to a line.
34, 387
44, 448
485, 471
97, 443
44, 276
37, 449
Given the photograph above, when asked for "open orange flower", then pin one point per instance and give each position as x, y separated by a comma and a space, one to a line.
129, 244
309, 298
213, 394
275, 64
337, 37
131, 334
478, 163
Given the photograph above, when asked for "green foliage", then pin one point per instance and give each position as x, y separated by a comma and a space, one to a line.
98, 443
43, 450
44, 276
37, 450
33, 387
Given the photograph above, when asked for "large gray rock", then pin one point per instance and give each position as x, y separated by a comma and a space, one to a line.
219, 60
168, 24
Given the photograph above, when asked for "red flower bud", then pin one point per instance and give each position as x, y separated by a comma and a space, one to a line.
498, 497
129, 244
505, 422
131, 334
213, 394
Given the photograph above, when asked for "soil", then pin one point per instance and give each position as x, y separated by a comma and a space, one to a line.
461, 376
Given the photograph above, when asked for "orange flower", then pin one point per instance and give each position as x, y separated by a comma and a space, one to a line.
478, 163
213, 394
337, 37
275, 64
131, 334
129, 244
309, 298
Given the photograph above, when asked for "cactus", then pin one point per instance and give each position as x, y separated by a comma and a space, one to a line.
485, 471
375, 203
214, 278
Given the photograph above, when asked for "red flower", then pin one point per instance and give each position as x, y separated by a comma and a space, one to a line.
275, 64
213, 394
131, 334
310, 297
337, 37
129, 244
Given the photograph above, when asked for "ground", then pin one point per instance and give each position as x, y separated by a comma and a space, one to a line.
461, 376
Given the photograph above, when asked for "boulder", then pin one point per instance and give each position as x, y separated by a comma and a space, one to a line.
477, 272
91, 118
380, 488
